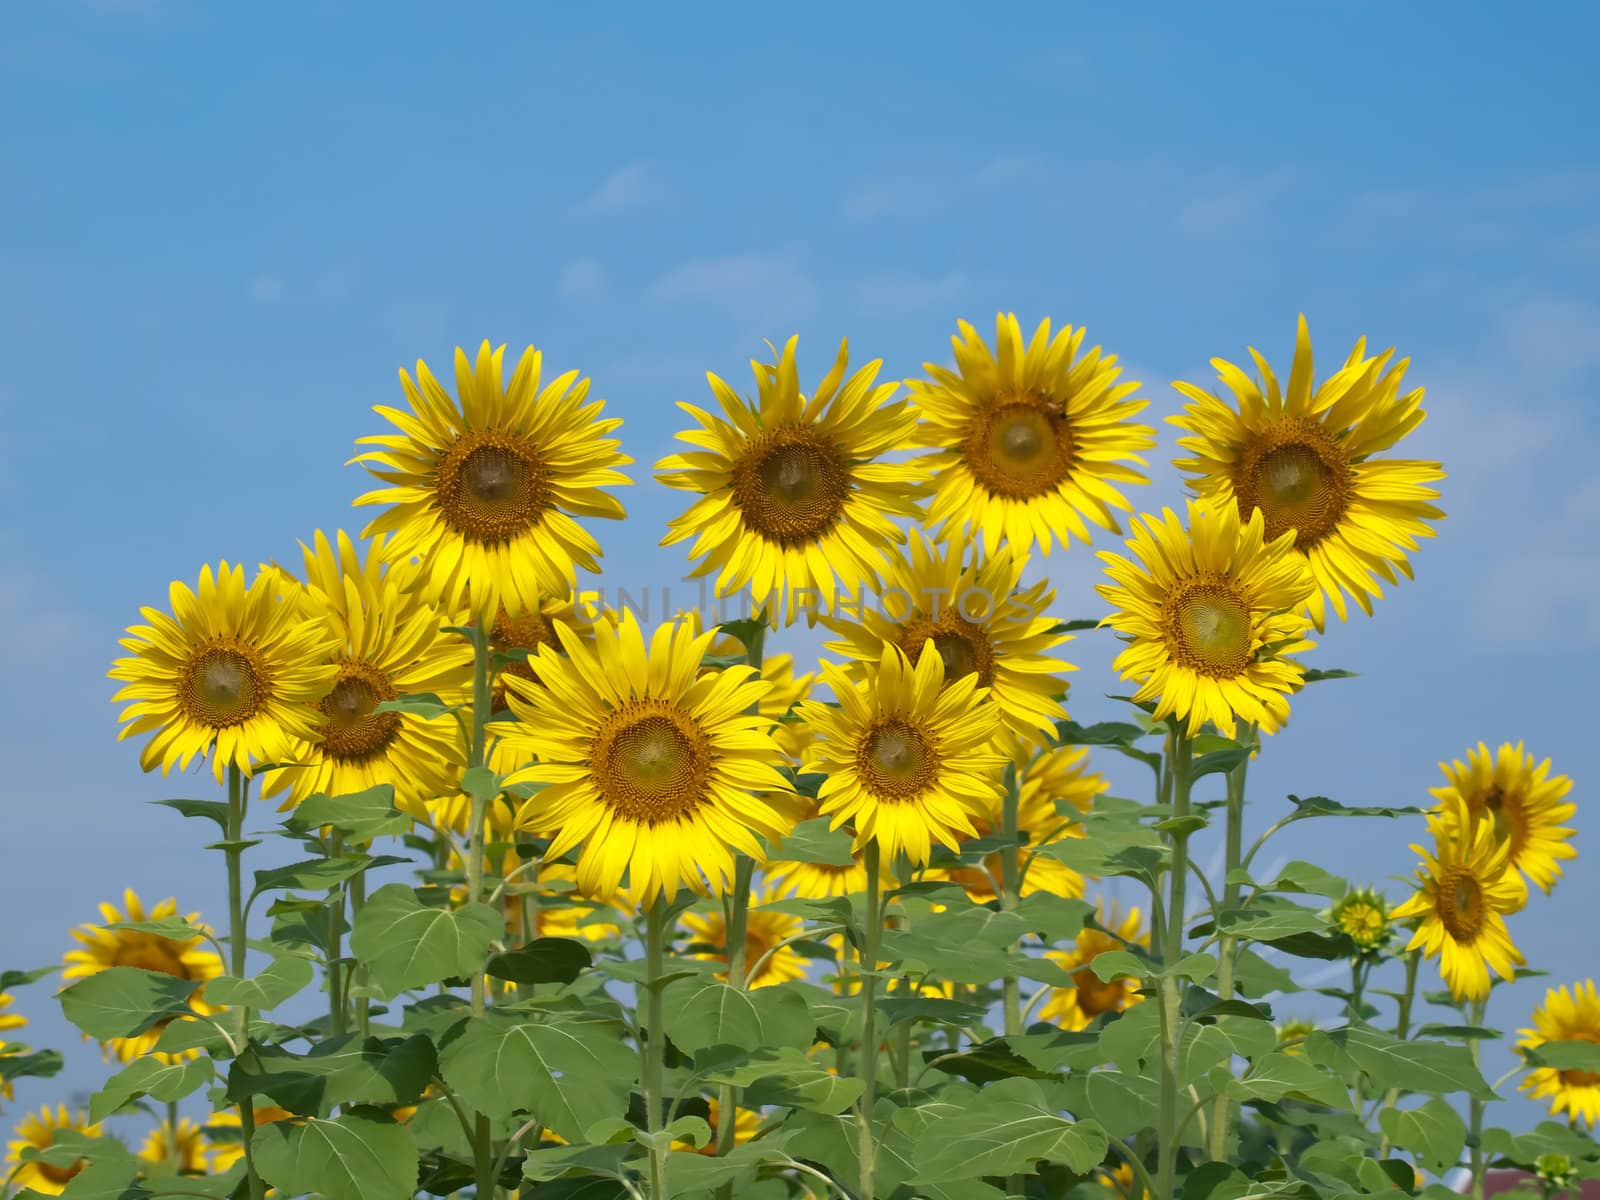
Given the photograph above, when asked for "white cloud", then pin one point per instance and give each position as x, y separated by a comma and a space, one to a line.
895, 292
770, 291
627, 187
583, 279
266, 288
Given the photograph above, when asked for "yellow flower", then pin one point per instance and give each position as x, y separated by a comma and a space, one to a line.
1566, 1016
1119, 1181
230, 1149
980, 619
1028, 441
1209, 614
235, 672
102, 948
1363, 916
745, 1124
1292, 1034
186, 1151
484, 491
1311, 461
39, 1130
8, 1020
388, 642
824, 881
908, 761
786, 688
648, 765
1462, 898
1076, 1006
561, 910
791, 492
1522, 802
764, 934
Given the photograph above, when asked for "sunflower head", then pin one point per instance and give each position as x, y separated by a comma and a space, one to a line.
233, 671
652, 767
1210, 614
765, 932
1362, 914
1075, 1007
484, 486
183, 1149
38, 1131
1313, 460
1028, 442
793, 497
1567, 1015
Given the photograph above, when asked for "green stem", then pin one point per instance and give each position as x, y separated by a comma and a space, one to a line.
902, 1061
1228, 947
482, 1138
652, 1041
1402, 1026
867, 958
358, 900
338, 1018
1010, 866
1475, 1107
174, 1150
1179, 752
238, 947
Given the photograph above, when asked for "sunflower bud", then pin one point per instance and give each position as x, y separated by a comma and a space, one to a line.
1363, 915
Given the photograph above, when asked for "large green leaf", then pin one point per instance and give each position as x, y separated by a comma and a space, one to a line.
543, 960
341, 1070
1009, 1127
568, 1070
1564, 1056
690, 1173
1124, 1103
150, 1077
360, 816
355, 1156
700, 1013
405, 944
1270, 919
125, 1001
287, 974
34, 1064
1418, 1066
1278, 1074
789, 1079
1435, 1132
320, 874
813, 842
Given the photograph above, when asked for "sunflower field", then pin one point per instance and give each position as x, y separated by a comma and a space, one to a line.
583, 906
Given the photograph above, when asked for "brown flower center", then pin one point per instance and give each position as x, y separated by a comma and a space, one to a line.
961, 643
651, 762
59, 1175
527, 632
791, 486
1020, 445
1461, 904
1298, 477
354, 733
896, 760
1208, 627
492, 486
225, 683
1095, 996
151, 954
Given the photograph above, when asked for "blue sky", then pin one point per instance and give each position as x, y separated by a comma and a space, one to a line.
223, 229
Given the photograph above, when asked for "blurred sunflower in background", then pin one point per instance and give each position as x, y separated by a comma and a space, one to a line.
1028, 441
1309, 459
38, 1131
183, 1149
767, 960
746, 1122
1210, 614
8, 1022
234, 672
785, 688
1461, 901
824, 881
1567, 1015
104, 946
227, 1149
908, 761
792, 495
484, 488
1522, 802
648, 765
1089, 996
388, 642
974, 610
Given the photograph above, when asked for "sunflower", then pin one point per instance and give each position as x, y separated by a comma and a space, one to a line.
647, 764
765, 932
38, 1130
185, 1149
8, 1021
1292, 1034
745, 1124
103, 947
388, 642
561, 909
484, 490
1119, 1181
1306, 459
787, 690
1524, 805
1028, 441
1362, 915
523, 634
230, 1149
233, 670
980, 619
1461, 900
1566, 1016
824, 881
1210, 614
790, 490
908, 761
1076, 1006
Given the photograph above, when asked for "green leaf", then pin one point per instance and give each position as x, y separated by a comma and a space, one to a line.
1183, 826
1564, 1056
15, 979
1255, 977
286, 976
1315, 676
812, 842
404, 944
1270, 919
788, 1079
480, 783
1056, 918
1008, 1128
1111, 965
690, 1173
1277, 1074
149, 1077
210, 810
320, 874
37, 1064
360, 816
174, 929
1220, 762
125, 1001
341, 1070
895, 1009
424, 704
1417, 1066
569, 1071
699, 1014
355, 1156
1309, 879
543, 960
1321, 806
1435, 1132
109, 1171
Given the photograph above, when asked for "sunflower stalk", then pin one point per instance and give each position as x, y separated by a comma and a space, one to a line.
238, 947
652, 1042
1476, 1014
1402, 1026
1010, 886
338, 1017
1179, 752
867, 960
358, 900
1228, 946
482, 1138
